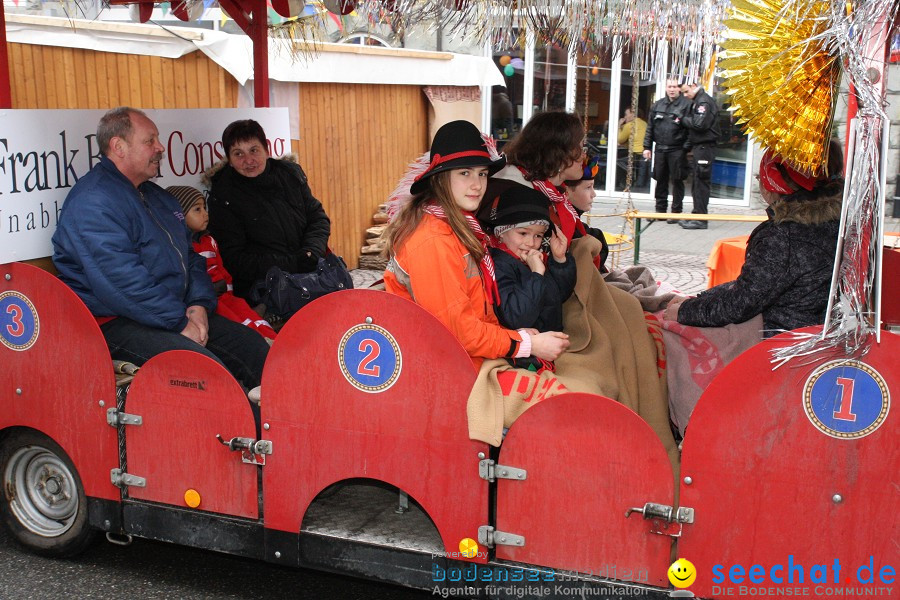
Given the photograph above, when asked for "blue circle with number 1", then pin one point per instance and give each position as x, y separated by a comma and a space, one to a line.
19, 323
369, 358
846, 399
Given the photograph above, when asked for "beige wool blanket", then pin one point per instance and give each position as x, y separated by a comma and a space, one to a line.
611, 354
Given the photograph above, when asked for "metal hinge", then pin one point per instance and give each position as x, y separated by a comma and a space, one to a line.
115, 418
488, 536
121, 479
665, 519
490, 471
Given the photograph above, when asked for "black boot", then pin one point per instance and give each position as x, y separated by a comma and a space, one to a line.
694, 225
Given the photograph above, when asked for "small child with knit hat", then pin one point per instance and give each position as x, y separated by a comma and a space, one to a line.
581, 196
196, 218
532, 285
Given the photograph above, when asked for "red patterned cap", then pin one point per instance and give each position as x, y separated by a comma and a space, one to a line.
775, 175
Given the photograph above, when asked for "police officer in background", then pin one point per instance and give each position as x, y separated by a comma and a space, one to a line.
664, 129
702, 125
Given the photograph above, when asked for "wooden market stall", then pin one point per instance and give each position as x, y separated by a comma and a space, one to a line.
355, 139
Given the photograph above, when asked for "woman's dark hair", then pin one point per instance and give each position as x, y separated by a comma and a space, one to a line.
547, 143
242, 131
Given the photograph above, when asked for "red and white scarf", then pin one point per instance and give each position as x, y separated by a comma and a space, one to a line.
488, 276
566, 217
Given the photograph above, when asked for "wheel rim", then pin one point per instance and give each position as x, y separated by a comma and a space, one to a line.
42, 491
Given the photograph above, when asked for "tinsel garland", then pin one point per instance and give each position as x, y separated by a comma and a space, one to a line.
856, 34
781, 77
664, 37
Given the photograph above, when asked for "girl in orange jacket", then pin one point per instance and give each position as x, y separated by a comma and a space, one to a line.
438, 252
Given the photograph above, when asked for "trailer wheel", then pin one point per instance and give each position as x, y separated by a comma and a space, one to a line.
44, 505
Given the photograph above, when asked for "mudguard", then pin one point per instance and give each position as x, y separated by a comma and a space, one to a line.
56, 375
365, 384
794, 466
588, 459
185, 400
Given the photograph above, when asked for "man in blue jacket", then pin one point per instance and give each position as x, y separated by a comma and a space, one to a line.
122, 246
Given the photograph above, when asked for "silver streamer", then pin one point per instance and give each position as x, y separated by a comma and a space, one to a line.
686, 30
852, 323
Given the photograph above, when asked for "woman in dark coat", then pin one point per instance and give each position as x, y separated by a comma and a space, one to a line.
790, 258
261, 210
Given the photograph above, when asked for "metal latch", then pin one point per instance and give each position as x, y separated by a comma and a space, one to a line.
252, 451
490, 471
665, 520
121, 479
488, 536
115, 418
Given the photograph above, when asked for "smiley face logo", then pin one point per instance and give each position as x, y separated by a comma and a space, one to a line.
682, 573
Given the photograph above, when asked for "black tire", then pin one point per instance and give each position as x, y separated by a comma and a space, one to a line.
43, 504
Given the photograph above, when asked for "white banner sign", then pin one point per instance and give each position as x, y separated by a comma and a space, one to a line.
44, 152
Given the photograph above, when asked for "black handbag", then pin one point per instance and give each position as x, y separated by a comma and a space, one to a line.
285, 293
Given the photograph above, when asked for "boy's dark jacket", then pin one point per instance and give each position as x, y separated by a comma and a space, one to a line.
264, 221
528, 299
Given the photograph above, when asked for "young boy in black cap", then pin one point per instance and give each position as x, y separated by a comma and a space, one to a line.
533, 286
581, 196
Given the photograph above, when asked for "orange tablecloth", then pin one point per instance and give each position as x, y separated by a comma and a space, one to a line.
726, 259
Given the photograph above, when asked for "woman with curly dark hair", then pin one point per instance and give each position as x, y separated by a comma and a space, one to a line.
547, 152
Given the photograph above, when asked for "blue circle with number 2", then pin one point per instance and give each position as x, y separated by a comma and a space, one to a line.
18, 321
846, 400
370, 358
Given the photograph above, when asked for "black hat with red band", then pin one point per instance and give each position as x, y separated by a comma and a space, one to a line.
457, 145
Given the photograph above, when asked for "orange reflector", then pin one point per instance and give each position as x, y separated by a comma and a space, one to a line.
192, 498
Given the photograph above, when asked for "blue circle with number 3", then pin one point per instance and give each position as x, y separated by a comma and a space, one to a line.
846, 400
369, 358
19, 324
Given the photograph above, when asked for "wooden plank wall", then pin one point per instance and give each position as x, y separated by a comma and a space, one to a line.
51, 77
356, 140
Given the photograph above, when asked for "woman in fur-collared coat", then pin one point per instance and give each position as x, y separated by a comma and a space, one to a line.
787, 272
261, 210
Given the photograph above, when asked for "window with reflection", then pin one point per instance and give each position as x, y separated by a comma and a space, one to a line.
636, 95
730, 166
507, 102
592, 87
551, 66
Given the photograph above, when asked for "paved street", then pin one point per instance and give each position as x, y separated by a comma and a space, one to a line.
675, 255
156, 571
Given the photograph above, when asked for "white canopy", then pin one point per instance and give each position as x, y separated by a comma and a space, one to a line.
333, 63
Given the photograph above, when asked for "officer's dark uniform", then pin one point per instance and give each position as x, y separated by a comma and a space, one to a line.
663, 128
702, 125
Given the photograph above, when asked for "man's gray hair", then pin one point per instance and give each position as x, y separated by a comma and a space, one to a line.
115, 123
